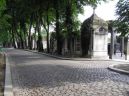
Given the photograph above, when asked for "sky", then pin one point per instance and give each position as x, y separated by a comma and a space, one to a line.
106, 11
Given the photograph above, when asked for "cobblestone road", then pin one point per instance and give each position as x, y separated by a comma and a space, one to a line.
39, 75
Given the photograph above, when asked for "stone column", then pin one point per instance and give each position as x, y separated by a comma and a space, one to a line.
112, 45
126, 48
122, 46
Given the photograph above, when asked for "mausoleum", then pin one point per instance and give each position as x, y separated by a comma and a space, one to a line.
94, 37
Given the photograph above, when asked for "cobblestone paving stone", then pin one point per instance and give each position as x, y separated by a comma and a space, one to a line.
39, 75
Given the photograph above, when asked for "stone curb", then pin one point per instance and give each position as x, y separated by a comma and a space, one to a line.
8, 89
63, 58
49, 55
118, 60
111, 67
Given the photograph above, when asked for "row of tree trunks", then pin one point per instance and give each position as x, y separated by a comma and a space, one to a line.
23, 36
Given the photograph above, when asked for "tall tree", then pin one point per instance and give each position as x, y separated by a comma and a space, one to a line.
122, 23
38, 13
4, 24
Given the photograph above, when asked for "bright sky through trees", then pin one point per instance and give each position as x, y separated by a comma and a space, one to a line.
106, 11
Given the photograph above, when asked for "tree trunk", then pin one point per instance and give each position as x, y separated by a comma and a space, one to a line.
122, 46
112, 45
59, 49
126, 48
13, 25
48, 48
13, 30
25, 40
13, 39
29, 37
110, 29
69, 25
35, 42
39, 42
21, 41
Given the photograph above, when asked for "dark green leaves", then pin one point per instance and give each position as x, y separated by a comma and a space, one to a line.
123, 19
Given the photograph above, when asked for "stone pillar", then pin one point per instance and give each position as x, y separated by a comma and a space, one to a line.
127, 49
122, 46
112, 45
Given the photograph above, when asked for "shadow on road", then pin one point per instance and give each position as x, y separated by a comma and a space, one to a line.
30, 70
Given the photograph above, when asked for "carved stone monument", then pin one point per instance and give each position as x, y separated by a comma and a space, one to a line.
94, 37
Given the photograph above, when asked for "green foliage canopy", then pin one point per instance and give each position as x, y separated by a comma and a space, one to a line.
122, 22
17, 17
4, 24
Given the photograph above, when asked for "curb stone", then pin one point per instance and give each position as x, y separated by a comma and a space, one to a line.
64, 58
111, 67
74, 59
49, 55
8, 89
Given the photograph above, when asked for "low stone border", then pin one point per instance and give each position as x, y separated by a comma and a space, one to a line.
113, 68
54, 56
8, 89
65, 58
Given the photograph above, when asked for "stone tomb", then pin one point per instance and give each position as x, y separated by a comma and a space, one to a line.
96, 30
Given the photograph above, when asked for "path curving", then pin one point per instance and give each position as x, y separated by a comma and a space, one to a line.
39, 75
